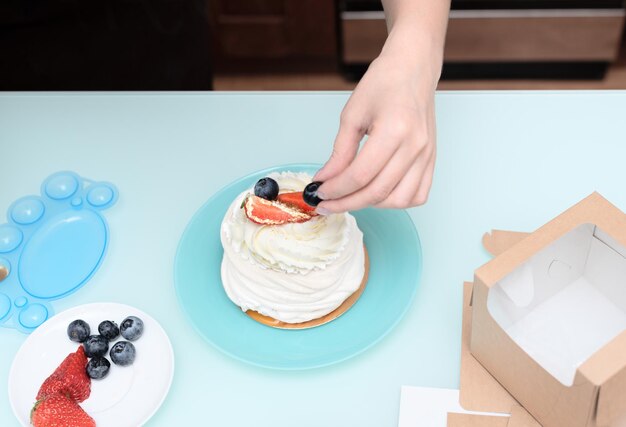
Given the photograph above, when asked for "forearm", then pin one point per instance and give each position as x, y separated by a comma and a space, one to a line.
417, 30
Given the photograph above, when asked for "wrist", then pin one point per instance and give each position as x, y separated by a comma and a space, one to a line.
416, 49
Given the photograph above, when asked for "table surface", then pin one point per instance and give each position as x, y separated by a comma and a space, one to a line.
508, 160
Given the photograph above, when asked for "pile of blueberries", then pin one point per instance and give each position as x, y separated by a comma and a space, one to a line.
96, 346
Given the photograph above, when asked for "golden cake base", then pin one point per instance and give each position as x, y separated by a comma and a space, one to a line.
345, 306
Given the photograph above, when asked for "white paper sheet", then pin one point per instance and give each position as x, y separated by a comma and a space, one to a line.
429, 407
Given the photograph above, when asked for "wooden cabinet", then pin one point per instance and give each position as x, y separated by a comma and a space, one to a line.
273, 30
501, 43
501, 35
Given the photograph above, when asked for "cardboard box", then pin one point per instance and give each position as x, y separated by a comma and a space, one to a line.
549, 318
479, 391
467, 420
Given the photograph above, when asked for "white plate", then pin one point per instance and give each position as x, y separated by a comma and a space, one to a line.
128, 396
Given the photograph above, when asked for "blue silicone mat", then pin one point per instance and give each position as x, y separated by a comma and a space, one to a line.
50, 246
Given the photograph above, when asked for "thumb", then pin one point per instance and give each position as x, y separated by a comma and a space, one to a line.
344, 150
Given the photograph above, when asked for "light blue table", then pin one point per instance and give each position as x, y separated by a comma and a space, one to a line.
506, 160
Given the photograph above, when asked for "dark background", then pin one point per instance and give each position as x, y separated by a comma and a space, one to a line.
286, 44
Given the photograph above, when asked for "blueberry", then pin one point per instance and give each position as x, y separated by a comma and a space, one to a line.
78, 330
109, 330
123, 353
310, 194
96, 345
98, 368
266, 188
131, 328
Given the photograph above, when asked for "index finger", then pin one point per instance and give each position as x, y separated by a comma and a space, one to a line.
372, 158
344, 149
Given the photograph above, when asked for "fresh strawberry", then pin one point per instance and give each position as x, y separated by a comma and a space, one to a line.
70, 378
59, 410
296, 201
266, 212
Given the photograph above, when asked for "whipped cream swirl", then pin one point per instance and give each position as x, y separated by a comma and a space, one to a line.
292, 272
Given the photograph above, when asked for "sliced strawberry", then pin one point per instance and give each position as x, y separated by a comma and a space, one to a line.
59, 410
69, 378
296, 201
266, 212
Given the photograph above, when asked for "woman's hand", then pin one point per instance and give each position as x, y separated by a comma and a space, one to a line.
393, 105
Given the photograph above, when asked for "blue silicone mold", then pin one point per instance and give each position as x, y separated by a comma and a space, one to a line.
51, 246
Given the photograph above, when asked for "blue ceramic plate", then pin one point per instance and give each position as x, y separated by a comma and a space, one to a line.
395, 266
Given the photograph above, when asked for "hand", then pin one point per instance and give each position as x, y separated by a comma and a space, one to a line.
393, 105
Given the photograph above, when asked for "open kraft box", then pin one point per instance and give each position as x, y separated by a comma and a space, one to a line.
549, 317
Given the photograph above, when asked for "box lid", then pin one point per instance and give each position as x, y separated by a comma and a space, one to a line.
594, 209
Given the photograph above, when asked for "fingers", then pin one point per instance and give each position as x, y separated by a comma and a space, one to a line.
414, 188
379, 189
377, 151
421, 196
344, 150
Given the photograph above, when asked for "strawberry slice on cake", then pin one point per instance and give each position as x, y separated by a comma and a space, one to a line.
268, 212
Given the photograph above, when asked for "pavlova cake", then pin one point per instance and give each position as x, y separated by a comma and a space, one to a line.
285, 265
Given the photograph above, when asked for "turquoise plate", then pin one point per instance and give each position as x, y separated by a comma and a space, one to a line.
395, 266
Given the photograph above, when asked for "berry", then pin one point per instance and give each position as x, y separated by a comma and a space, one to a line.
123, 353
59, 410
96, 345
109, 330
310, 194
296, 201
132, 328
68, 378
78, 330
98, 368
266, 188
265, 212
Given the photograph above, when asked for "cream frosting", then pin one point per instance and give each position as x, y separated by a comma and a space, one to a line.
292, 272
